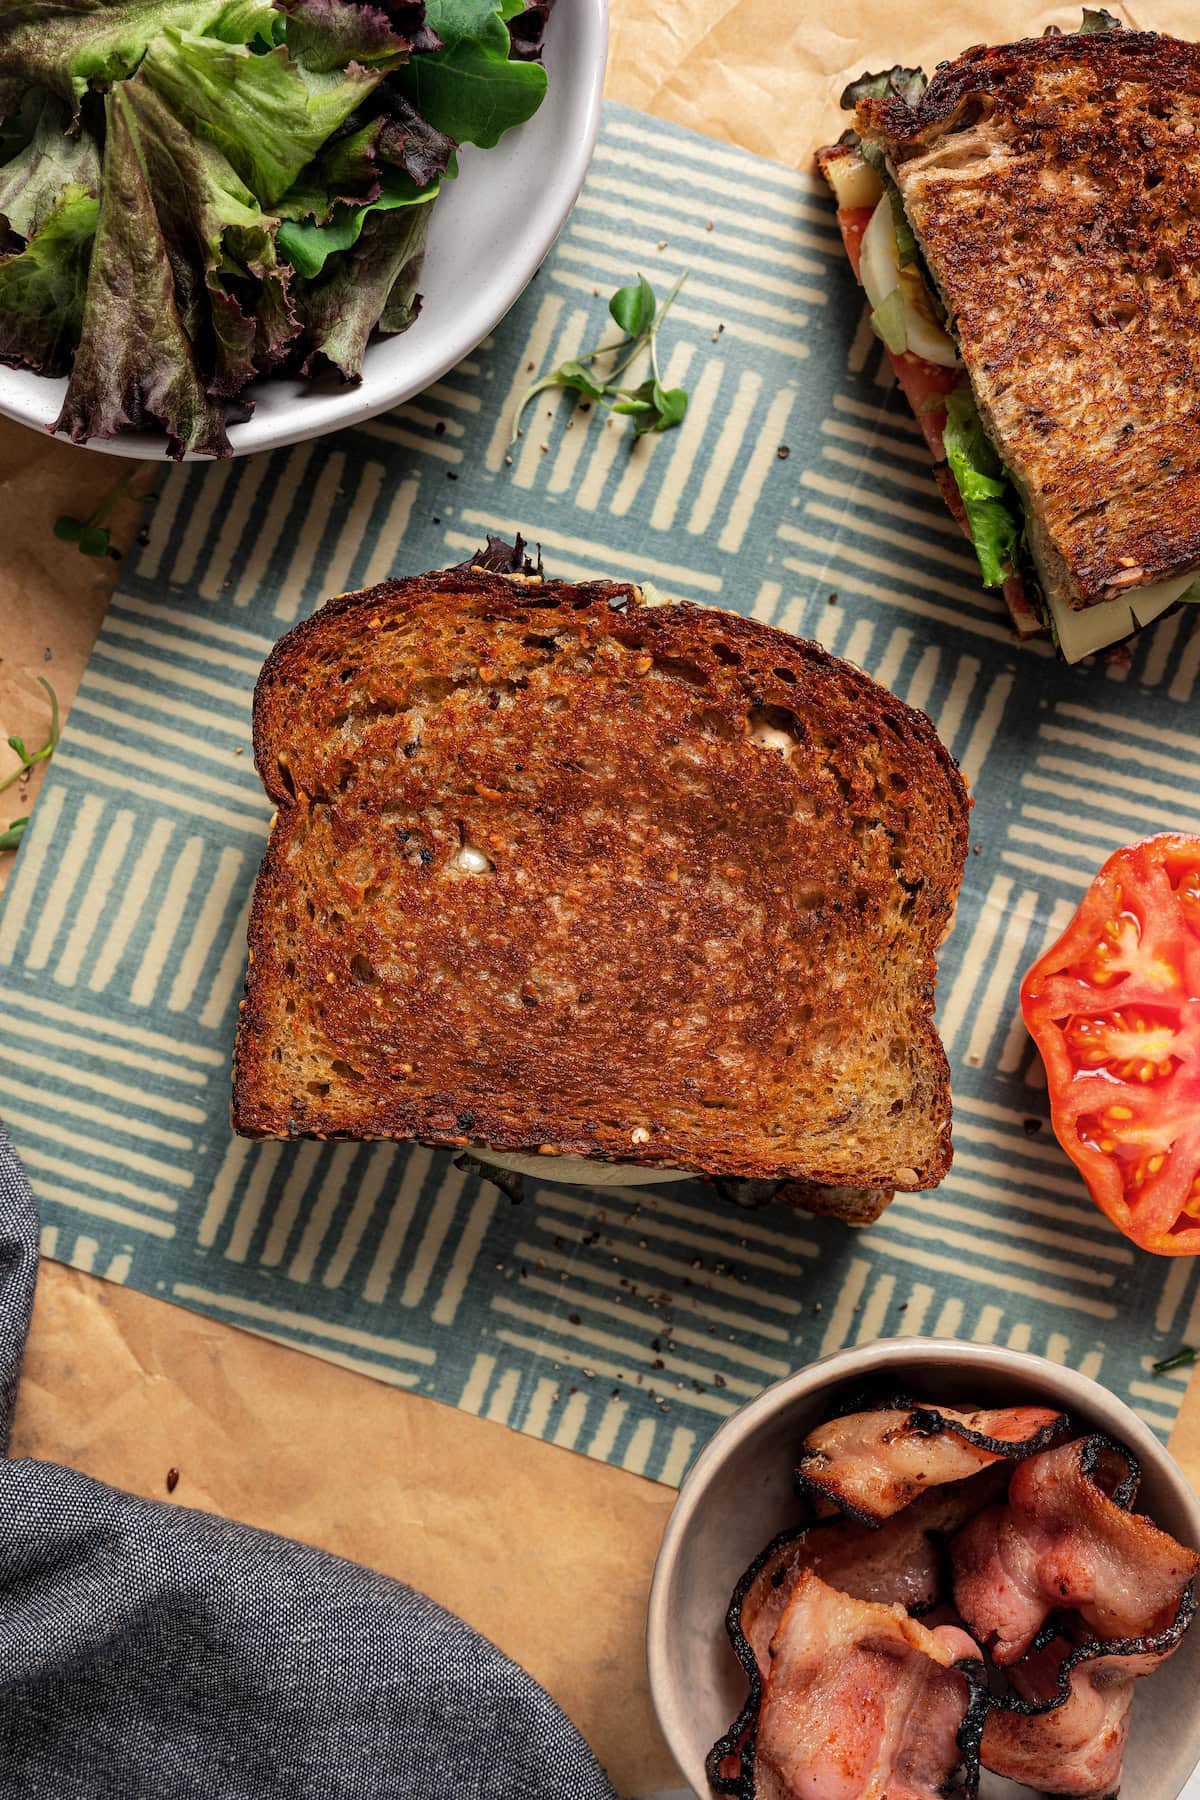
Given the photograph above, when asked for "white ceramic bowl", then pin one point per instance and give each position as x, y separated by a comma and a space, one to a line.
739, 1493
490, 231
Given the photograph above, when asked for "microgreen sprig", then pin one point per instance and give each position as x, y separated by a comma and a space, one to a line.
30, 758
12, 837
650, 405
1182, 1359
92, 536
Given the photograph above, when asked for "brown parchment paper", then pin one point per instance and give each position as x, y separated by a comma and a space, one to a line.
52, 599
766, 74
547, 1552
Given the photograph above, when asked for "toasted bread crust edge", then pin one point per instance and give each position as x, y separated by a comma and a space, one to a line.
985, 69
253, 1119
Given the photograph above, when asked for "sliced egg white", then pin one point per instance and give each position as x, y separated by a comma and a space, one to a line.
1084, 630
879, 267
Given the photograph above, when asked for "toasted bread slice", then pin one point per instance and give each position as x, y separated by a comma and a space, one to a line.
1054, 188
555, 869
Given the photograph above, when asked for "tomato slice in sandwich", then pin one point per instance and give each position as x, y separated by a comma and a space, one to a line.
1114, 1008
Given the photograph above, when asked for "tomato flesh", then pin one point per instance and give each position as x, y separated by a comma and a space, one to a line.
1114, 1008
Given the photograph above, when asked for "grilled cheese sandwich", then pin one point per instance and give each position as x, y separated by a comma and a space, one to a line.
1037, 298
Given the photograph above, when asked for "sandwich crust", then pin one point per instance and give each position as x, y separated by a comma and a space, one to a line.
553, 868
1054, 187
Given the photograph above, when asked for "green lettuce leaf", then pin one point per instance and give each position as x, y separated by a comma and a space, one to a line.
135, 363
346, 171
391, 160
194, 191
265, 113
230, 287
896, 83
326, 34
526, 26
308, 245
1098, 19
50, 161
890, 323
991, 506
410, 142
907, 247
20, 109
65, 48
375, 284
473, 88
42, 288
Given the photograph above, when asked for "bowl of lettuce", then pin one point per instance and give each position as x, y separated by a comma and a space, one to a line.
228, 225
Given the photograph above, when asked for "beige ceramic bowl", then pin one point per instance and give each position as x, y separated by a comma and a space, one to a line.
739, 1494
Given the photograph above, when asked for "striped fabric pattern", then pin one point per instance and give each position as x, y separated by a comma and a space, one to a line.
622, 1324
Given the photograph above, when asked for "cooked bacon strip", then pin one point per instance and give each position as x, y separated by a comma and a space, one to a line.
873, 1463
900, 1562
729, 1764
1064, 1726
863, 1701
1065, 1539
1077, 1746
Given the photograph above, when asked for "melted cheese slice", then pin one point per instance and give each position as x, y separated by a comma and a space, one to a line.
578, 1171
1084, 630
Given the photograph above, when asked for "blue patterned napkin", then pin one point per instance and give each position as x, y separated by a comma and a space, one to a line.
625, 1325
146, 1649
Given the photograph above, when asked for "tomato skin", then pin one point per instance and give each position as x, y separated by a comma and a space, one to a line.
925, 386
1126, 974
853, 222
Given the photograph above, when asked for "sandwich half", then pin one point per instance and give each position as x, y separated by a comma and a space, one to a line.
1027, 229
567, 872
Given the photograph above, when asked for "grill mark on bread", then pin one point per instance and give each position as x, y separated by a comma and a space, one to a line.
1054, 186
719, 863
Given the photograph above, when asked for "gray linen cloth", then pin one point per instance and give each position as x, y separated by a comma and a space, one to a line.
149, 1651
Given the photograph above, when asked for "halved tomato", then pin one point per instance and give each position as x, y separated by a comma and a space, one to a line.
1114, 1008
